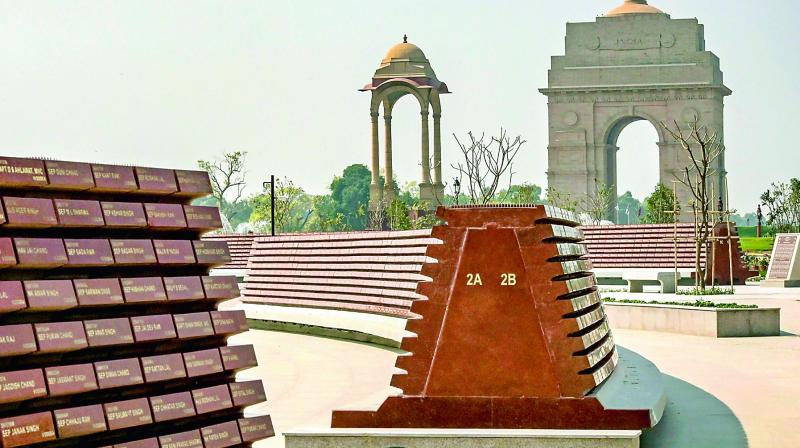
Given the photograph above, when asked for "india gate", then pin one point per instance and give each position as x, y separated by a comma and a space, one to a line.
634, 63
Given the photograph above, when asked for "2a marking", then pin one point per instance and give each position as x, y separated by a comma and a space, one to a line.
474, 280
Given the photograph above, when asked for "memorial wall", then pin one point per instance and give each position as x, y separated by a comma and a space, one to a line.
109, 328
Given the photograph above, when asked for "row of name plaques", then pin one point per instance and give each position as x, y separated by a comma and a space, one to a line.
34, 174
36, 253
32, 212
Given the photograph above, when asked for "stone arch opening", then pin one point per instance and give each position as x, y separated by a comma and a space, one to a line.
636, 165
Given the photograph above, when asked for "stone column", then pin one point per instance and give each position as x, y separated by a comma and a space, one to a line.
425, 187
388, 192
374, 188
437, 149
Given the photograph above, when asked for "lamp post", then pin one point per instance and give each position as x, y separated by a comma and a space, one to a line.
759, 216
271, 183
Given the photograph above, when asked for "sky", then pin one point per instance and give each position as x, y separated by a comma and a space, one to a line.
167, 83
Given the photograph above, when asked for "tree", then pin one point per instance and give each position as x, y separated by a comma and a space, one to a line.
486, 164
227, 176
597, 205
783, 206
561, 199
702, 147
350, 194
628, 209
522, 194
659, 206
289, 216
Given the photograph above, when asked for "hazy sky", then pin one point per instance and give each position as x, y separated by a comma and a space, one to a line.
166, 83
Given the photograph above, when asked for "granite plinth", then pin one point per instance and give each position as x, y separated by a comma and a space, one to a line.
187, 439
153, 328
22, 385
193, 325
128, 413
98, 291
229, 322
123, 214
50, 295
221, 287
172, 406
174, 252
184, 288
212, 253
202, 362
107, 332
246, 393
221, 435
16, 172
155, 180
163, 367
58, 337
78, 213
193, 184
165, 216
143, 289
27, 429
202, 218
113, 178
238, 357
210, 399
88, 252
29, 212
255, 428
133, 252
69, 175
72, 379
12, 296
118, 373
79, 421
17, 340
40, 252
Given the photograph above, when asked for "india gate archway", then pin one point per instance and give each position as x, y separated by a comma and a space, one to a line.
634, 63
406, 71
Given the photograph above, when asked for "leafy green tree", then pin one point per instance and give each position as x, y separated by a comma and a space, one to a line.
350, 194
783, 206
561, 199
227, 176
659, 205
292, 208
521, 194
628, 209
397, 216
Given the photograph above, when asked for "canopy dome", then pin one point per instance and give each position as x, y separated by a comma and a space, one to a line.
405, 50
634, 7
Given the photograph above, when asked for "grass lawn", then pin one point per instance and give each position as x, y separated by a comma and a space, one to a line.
757, 244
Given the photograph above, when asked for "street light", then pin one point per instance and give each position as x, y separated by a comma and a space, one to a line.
271, 183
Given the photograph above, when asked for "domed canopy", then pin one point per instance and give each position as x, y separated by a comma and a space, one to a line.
406, 63
634, 7
405, 51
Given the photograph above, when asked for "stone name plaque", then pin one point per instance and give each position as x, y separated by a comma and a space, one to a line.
12, 296
143, 289
156, 180
188, 439
163, 367
212, 253
57, 337
88, 252
113, 178
27, 429
7, 256
22, 385
255, 428
165, 216
29, 212
79, 421
229, 322
193, 183
247, 393
78, 213
133, 252
782, 257
123, 214
105, 332
118, 373
17, 340
210, 399
153, 328
69, 175
50, 295
144, 443
193, 325
128, 413
221, 287
174, 251
172, 406
15, 172
202, 362
238, 357
98, 291
184, 288
202, 218
68, 380
40, 252
221, 435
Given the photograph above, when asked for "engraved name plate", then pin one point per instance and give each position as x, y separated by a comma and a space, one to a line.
78, 213
128, 413
133, 252
163, 367
118, 373
69, 175
113, 178
98, 291
143, 289
60, 336
68, 380
29, 212
202, 362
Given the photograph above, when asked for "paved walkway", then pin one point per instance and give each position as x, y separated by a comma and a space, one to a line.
734, 392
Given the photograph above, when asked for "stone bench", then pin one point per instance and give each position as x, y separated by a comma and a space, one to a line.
665, 279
